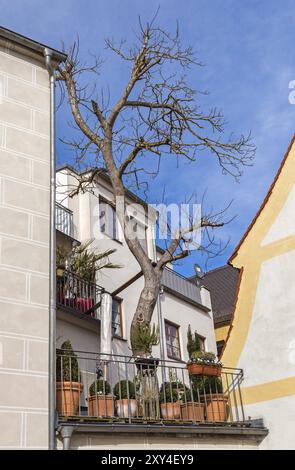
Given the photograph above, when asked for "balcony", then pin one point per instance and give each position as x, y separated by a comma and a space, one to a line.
118, 393
64, 220
75, 295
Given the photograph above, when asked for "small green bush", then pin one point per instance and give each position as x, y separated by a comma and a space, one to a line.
168, 394
122, 386
143, 338
99, 387
203, 357
193, 342
67, 369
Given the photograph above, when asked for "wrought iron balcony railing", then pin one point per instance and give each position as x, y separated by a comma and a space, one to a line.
99, 388
77, 295
64, 220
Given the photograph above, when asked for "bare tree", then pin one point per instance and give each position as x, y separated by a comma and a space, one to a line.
156, 114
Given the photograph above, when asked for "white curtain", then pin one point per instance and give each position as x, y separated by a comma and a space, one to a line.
106, 324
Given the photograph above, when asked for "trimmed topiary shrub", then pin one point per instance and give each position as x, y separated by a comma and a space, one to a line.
168, 394
99, 387
67, 369
122, 386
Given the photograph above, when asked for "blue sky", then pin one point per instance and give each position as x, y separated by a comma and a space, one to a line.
248, 49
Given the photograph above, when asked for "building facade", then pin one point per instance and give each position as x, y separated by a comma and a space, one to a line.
181, 304
261, 340
24, 235
94, 315
126, 283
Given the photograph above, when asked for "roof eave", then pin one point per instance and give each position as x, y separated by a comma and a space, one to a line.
30, 44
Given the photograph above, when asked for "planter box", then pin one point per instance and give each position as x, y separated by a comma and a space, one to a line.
126, 408
170, 410
100, 406
204, 369
191, 411
67, 398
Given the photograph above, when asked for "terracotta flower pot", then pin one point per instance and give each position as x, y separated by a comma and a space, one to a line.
100, 406
216, 408
67, 398
170, 410
204, 369
192, 411
126, 408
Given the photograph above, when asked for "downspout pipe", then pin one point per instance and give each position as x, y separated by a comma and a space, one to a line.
66, 434
52, 256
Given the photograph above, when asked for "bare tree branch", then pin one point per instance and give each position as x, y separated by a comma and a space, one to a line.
157, 114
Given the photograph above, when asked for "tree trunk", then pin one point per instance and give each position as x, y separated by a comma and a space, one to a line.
152, 276
144, 311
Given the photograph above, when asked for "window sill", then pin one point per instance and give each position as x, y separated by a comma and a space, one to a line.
176, 360
111, 238
119, 338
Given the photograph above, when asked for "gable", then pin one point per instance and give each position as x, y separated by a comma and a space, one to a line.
273, 220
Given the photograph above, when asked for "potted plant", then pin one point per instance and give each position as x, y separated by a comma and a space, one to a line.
143, 340
62, 256
68, 385
192, 408
85, 263
215, 400
169, 402
125, 394
100, 400
201, 362
204, 363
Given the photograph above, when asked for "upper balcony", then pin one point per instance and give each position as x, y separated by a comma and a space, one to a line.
64, 220
76, 295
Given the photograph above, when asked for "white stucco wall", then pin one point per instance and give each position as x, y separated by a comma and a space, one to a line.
268, 354
279, 418
284, 225
154, 443
183, 314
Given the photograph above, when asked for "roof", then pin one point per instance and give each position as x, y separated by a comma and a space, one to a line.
104, 175
235, 252
30, 44
223, 284
182, 288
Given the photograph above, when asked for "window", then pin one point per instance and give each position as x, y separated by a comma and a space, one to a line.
117, 329
140, 231
202, 341
107, 219
220, 345
172, 340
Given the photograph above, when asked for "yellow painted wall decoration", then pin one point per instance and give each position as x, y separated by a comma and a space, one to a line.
262, 325
221, 333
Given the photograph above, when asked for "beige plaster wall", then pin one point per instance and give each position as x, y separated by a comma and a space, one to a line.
24, 249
